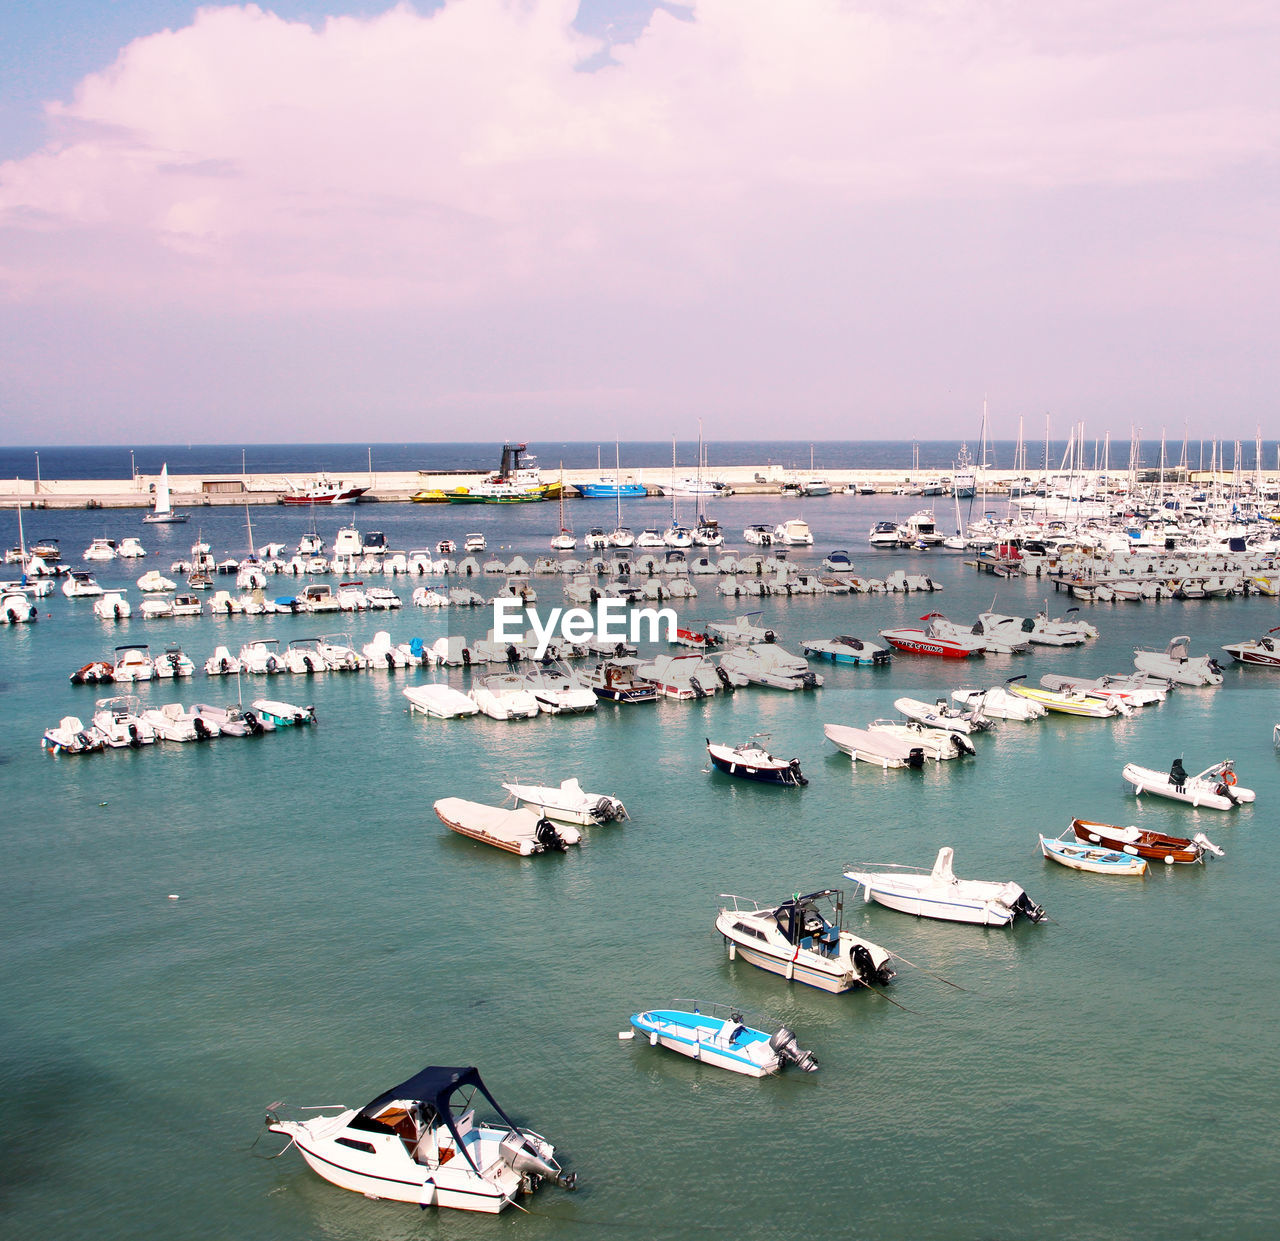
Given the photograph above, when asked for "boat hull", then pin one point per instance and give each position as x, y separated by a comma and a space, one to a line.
1153, 845
680, 1032
793, 969
979, 913
776, 772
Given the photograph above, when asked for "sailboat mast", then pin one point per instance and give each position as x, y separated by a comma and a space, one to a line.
617, 479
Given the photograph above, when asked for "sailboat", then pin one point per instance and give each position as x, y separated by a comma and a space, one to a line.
163, 511
565, 541
676, 535
621, 536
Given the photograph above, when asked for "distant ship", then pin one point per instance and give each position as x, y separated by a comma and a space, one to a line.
324, 490
514, 483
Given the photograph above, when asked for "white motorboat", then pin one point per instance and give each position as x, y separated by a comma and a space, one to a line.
420, 1142
618, 680
518, 831
120, 722
155, 582
751, 761
130, 548
1215, 787
717, 1034
1263, 652
112, 605
941, 715
681, 677
81, 586
794, 532
1175, 664
283, 714
847, 650
505, 697
1000, 703
303, 656
937, 893
100, 550
71, 736
221, 663
559, 691
443, 702
879, 748
567, 803
133, 663
937, 743
262, 657
740, 630
174, 663
16, 608
232, 721
1136, 690
761, 536
766, 663
803, 940
339, 654
1039, 630
173, 722
383, 653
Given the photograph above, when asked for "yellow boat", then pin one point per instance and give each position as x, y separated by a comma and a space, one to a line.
429, 495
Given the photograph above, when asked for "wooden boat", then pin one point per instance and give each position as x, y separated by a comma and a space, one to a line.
517, 831
1215, 787
1096, 859
717, 1034
751, 761
1139, 843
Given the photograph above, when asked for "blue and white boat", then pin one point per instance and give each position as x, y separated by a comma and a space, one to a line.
1096, 859
607, 487
847, 650
717, 1034
283, 714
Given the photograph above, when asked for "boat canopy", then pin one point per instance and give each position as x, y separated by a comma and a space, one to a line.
800, 916
433, 1088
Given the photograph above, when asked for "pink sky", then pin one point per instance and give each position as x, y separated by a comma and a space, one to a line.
812, 219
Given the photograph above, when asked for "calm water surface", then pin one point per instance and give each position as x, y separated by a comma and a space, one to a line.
1111, 1073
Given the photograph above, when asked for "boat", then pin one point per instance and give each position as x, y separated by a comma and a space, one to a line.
1263, 652
847, 650
16, 608
71, 736
1215, 787
838, 561
261, 657
420, 1142
883, 534
751, 761
175, 662
1145, 844
1039, 630
283, 714
560, 692
97, 672
881, 749
937, 893
565, 540
1096, 859
232, 721
133, 663
80, 585
741, 629
1138, 689
130, 548
120, 722
1000, 703
112, 605
221, 663
567, 803
173, 722
100, 550
766, 663
514, 482
162, 511
937, 743
154, 582
505, 697
609, 487
717, 1034
1176, 665
617, 680
803, 940
1069, 701
682, 677
941, 715
440, 701
794, 532
322, 490
761, 536
928, 641
518, 831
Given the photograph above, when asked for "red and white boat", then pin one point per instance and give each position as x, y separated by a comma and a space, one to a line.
1264, 650
324, 490
930, 641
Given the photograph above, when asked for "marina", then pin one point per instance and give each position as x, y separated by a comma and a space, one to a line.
200, 926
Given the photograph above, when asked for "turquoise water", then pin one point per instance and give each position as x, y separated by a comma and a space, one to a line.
1111, 1073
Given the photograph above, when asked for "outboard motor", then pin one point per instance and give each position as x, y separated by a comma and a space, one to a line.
520, 1157
879, 658
864, 964
724, 679
915, 758
546, 835
963, 744
784, 1043
135, 738
253, 724
1028, 908
696, 686
793, 768
202, 729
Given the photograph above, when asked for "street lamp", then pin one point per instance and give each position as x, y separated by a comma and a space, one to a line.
37, 472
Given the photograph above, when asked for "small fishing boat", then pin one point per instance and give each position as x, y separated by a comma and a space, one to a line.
803, 940
999, 702
881, 749
283, 714
1096, 859
517, 831
766, 663
559, 691
941, 715
1176, 664
937, 893
71, 736
847, 650
420, 1142
1262, 652
232, 721
1139, 689
120, 722
173, 722
717, 1034
616, 680
1139, 843
221, 663
567, 803
1215, 787
751, 761
98, 672
505, 697
443, 702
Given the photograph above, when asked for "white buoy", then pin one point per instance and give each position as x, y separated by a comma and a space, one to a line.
173, 896
626, 1034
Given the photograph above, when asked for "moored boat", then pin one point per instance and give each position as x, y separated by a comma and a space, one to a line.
441, 701
1147, 844
847, 650
751, 761
1096, 859
517, 831
717, 1034
874, 746
1215, 787
1262, 652
568, 803
929, 641
283, 714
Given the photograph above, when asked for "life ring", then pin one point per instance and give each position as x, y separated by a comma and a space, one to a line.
1228, 777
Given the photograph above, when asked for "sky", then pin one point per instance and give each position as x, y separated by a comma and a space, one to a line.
471, 219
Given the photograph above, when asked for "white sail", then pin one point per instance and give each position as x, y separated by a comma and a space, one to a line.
163, 506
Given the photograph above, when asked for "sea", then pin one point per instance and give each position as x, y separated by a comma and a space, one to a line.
191, 933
